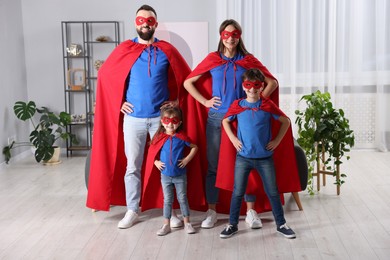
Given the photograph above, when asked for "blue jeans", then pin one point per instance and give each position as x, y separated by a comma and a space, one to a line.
180, 184
213, 139
266, 169
135, 133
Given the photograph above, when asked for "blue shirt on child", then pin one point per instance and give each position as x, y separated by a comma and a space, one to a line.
171, 153
254, 130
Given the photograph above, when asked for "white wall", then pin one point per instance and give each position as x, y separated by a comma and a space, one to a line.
42, 31
30, 38
13, 84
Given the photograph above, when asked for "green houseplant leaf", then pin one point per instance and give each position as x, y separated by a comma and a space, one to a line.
321, 123
46, 132
24, 110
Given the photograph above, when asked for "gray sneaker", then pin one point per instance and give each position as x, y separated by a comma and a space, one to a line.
165, 229
252, 219
175, 222
210, 220
128, 220
189, 228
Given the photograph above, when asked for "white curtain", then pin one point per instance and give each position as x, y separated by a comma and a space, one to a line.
339, 46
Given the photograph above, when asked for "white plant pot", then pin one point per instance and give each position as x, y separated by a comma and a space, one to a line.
56, 157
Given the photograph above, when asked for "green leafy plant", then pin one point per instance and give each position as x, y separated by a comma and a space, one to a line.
46, 132
321, 125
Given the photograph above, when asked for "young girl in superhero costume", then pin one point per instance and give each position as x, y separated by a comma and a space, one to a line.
168, 144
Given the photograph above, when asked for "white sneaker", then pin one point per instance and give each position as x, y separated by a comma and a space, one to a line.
175, 222
210, 220
252, 219
128, 220
165, 229
189, 229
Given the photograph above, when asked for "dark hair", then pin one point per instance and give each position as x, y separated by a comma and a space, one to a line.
169, 111
253, 74
240, 47
147, 8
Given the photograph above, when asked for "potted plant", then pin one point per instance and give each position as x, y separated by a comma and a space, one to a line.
323, 130
46, 132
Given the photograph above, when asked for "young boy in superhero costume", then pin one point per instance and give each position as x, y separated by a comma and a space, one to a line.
255, 145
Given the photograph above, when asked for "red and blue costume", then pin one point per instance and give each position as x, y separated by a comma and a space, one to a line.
108, 161
286, 169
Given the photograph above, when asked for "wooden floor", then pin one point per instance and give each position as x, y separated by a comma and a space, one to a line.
43, 216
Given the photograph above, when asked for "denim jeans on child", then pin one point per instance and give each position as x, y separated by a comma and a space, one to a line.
180, 185
135, 132
266, 169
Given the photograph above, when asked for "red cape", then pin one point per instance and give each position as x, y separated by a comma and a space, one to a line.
287, 176
199, 113
154, 194
108, 160
214, 59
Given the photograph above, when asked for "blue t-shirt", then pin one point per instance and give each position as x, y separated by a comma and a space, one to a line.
254, 130
148, 84
233, 90
171, 153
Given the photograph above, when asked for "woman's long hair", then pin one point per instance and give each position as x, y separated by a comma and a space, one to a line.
240, 46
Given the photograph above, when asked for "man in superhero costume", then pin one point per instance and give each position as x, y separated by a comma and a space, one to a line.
138, 77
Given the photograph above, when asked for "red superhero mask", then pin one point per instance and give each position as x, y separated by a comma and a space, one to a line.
236, 34
174, 120
252, 84
140, 20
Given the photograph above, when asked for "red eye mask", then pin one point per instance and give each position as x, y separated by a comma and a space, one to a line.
252, 84
174, 120
140, 20
236, 34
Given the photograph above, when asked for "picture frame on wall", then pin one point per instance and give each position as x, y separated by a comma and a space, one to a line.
76, 79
